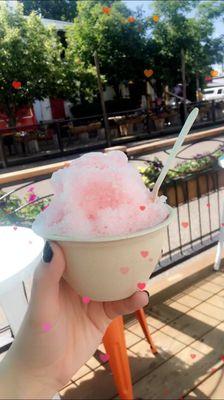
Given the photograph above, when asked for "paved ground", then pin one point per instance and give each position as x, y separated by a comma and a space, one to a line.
188, 330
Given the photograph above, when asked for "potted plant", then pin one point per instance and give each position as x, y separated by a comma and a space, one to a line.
189, 180
27, 208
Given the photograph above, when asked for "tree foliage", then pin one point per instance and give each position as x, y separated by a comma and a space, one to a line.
126, 48
31, 55
175, 31
64, 10
127, 43
212, 9
120, 44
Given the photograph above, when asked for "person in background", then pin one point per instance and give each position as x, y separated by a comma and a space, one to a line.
178, 91
199, 95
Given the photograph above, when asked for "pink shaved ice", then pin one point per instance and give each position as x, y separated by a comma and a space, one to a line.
100, 195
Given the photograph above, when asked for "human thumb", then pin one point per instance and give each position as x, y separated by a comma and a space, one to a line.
48, 274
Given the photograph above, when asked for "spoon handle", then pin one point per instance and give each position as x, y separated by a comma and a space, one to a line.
183, 133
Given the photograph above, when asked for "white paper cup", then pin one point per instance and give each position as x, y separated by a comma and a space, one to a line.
112, 268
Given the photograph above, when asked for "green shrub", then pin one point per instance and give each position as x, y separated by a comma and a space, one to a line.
199, 163
23, 217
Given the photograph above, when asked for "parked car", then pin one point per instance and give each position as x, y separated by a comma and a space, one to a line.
214, 93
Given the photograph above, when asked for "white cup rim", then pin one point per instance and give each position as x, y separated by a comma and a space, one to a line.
143, 232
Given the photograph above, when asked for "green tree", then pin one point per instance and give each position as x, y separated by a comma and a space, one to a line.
32, 66
212, 9
29, 54
177, 30
64, 10
120, 44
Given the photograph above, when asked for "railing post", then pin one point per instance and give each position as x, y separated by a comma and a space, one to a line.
213, 111
147, 120
2, 153
60, 142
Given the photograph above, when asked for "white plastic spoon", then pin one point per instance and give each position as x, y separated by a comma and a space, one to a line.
183, 133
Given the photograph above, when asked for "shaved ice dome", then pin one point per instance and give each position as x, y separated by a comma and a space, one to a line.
99, 195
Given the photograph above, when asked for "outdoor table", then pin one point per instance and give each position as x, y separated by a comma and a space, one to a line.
12, 132
20, 252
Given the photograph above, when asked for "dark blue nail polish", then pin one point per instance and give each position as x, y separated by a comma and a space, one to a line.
146, 291
47, 253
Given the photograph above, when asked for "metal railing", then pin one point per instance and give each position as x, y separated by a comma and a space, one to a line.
197, 201
56, 138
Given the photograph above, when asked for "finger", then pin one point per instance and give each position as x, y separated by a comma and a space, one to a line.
49, 272
127, 306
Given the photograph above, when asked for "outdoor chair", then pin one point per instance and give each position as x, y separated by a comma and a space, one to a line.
114, 343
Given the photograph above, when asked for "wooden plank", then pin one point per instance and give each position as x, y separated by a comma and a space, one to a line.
97, 385
31, 172
211, 388
143, 362
186, 370
211, 310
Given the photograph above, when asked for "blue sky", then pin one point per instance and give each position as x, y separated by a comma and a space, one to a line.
133, 4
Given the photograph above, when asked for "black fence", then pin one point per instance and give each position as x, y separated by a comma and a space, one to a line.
197, 201
58, 138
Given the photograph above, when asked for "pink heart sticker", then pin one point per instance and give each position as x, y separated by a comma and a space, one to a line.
222, 225
184, 224
142, 208
124, 270
193, 356
144, 253
141, 285
85, 299
104, 357
208, 205
46, 327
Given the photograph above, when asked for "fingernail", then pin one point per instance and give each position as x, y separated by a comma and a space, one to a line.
146, 291
47, 253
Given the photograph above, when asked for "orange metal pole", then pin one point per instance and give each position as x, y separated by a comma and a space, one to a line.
114, 343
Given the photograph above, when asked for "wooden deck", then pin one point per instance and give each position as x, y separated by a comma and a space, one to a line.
188, 330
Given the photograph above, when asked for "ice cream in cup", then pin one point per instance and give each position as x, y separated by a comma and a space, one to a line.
109, 227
